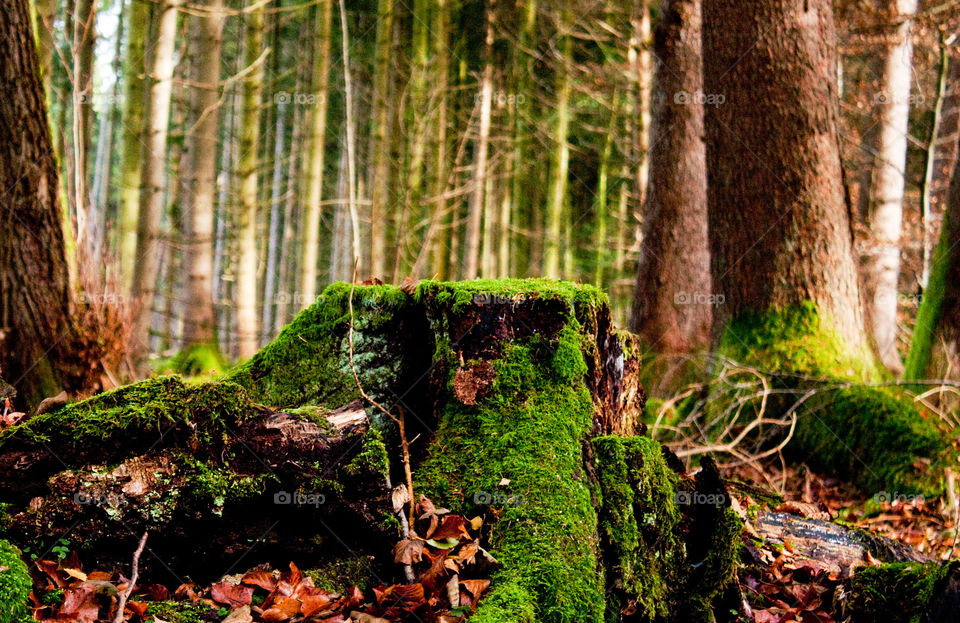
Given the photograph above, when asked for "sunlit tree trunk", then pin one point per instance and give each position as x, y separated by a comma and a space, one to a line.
317, 155
246, 301
273, 231
674, 264
560, 162
476, 206
779, 225
84, 40
885, 213
201, 151
379, 147
132, 136
46, 43
153, 178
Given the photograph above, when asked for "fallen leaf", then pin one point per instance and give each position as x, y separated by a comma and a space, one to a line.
239, 615
408, 551
231, 595
260, 578
282, 609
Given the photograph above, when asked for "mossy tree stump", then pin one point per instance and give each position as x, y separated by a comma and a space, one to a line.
523, 404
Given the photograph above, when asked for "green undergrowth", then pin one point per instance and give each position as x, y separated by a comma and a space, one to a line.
871, 436
903, 593
15, 586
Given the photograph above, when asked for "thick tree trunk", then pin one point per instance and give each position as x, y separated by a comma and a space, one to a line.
779, 225
34, 282
247, 291
206, 33
153, 179
885, 212
672, 302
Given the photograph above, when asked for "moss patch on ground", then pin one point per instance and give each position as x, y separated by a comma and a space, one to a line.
904, 593
15, 586
871, 436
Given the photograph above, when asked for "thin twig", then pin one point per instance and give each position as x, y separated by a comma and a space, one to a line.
400, 421
125, 595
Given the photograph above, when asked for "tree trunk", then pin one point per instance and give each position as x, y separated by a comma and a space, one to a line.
885, 212
780, 233
84, 41
34, 281
276, 215
316, 158
154, 179
379, 147
246, 300
560, 162
935, 350
671, 310
201, 152
46, 43
134, 98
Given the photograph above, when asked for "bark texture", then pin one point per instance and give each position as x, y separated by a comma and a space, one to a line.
35, 323
779, 223
671, 308
206, 32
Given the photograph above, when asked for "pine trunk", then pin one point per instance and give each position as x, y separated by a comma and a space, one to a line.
670, 308
780, 233
153, 179
199, 188
246, 301
34, 281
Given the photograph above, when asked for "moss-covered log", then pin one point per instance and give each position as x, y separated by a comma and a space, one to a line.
523, 403
15, 585
905, 593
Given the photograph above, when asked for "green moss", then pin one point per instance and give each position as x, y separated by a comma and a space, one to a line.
873, 436
148, 407
219, 486
898, 592
181, 612
797, 340
917, 365
15, 586
528, 430
339, 575
308, 363
868, 435
373, 456
199, 360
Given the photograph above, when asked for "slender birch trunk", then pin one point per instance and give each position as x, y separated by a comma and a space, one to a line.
560, 163
476, 211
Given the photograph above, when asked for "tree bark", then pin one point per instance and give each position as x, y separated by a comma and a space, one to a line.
671, 310
560, 162
34, 280
246, 293
475, 224
885, 212
134, 98
379, 147
201, 151
317, 155
779, 225
153, 179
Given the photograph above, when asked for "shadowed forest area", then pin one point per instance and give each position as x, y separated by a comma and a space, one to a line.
316, 311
